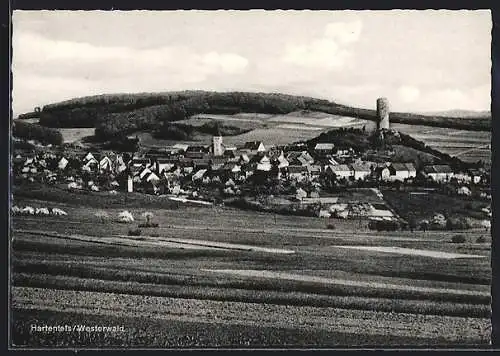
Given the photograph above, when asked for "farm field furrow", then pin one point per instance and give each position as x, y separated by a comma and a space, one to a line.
252, 314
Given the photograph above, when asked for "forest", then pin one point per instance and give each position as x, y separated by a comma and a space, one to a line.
28, 131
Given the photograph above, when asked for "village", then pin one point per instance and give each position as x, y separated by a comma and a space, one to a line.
296, 174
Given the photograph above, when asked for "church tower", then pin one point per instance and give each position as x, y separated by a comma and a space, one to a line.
217, 147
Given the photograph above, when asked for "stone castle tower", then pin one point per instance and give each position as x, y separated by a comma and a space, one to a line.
383, 111
217, 146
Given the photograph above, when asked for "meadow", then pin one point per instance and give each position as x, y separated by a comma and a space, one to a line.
219, 265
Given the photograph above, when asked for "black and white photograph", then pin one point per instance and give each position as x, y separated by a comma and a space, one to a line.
261, 179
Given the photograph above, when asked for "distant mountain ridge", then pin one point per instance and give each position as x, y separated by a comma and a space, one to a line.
458, 113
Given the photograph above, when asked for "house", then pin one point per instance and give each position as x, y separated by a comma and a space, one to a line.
141, 162
283, 163
476, 176
340, 171
244, 158
179, 147
164, 164
29, 161
105, 164
184, 162
63, 163
300, 194
439, 173
144, 172
201, 163
190, 150
152, 178
276, 154
231, 167
254, 146
90, 164
261, 162
302, 158
89, 156
297, 172
462, 177
344, 152
361, 170
313, 170
196, 155
120, 164
264, 167
231, 155
397, 172
217, 163
323, 149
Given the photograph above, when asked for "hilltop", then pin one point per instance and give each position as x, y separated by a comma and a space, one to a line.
117, 115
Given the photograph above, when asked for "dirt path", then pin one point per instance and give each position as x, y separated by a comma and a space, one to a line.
160, 242
413, 252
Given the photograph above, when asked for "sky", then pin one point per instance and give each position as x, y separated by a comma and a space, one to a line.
422, 61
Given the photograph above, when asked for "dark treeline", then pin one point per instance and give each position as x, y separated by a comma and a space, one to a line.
343, 138
120, 114
36, 132
184, 132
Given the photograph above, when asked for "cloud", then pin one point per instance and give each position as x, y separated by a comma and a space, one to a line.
408, 94
344, 32
226, 62
476, 98
328, 51
66, 66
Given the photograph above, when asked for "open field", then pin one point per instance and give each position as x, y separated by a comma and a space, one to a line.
258, 279
469, 146
77, 134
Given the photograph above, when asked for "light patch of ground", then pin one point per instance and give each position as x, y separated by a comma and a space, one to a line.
153, 241
299, 127
73, 135
225, 245
412, 252
332, 121
345, 282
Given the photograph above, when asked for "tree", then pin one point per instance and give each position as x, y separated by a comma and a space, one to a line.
148, 216
412, 222
102, 216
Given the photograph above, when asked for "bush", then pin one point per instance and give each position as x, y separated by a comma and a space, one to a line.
102, 216
481, 239
458, 239
383, 225
330, 227
134, 232
149, 225
458, 224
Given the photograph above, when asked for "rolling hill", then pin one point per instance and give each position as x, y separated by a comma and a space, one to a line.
116, 115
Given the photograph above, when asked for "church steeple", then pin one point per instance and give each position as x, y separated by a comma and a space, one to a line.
217, 147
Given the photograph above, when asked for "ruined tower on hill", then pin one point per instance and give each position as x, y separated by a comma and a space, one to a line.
383, 113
